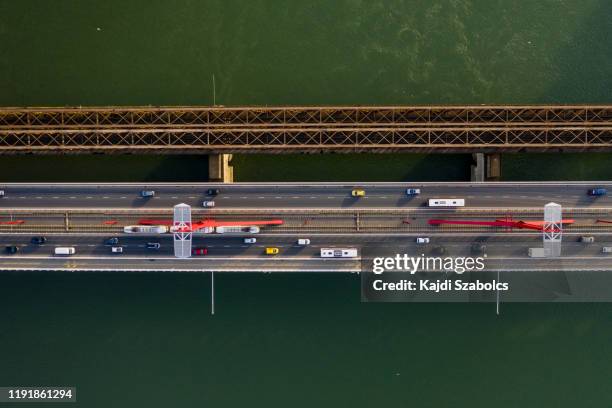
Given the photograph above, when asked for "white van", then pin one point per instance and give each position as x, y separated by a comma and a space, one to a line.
65, 251
446, 202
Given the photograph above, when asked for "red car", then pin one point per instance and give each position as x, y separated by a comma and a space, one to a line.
199, 251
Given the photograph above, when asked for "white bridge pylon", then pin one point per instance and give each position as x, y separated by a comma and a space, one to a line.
552, 230
181, 228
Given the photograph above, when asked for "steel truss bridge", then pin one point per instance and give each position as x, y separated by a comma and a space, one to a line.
305, 129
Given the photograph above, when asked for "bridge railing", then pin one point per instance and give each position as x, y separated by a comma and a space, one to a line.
307, 129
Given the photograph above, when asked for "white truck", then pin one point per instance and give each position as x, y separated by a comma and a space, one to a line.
65, 251
537, 253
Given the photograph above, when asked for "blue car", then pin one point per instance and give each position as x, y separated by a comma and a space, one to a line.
597, 192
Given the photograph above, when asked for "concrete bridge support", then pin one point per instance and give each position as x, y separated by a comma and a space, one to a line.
219, 169
487, 167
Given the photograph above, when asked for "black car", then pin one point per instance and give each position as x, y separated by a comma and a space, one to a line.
112, 241
153, 245
38, 240
212, 191
12, 249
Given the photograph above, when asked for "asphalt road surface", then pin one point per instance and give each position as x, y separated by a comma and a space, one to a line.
314, 195
230, 253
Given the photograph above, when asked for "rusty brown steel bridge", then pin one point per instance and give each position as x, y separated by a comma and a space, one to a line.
219, 129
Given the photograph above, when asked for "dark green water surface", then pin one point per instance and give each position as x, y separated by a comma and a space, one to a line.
130, 340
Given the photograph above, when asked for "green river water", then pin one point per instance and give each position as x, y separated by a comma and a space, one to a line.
131, 340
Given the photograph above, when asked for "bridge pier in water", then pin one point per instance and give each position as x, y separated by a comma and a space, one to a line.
219, 169
487, 167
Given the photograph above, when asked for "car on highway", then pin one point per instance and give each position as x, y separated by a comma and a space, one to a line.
117, 250
38, 240
208, 204
1, 193
153, 245
272, 251
250, 240
212, 191
147, 193
413, 191
303, 241
64, 251
11, 249
422, 240
439, 250
479, 248
199, 251
358, 192
606, 250
112, 241
595, 192
587, 240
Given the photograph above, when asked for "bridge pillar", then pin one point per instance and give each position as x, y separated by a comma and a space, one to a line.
493, 161
487, 167
219, 169
478, 169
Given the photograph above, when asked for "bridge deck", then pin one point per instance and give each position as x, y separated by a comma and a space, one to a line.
306, 129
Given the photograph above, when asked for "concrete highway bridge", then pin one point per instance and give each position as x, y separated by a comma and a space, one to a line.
219, 130
86, 215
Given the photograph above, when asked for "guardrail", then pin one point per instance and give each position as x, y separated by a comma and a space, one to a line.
306, 129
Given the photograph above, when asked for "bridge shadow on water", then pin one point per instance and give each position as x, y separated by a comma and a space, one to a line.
104, 168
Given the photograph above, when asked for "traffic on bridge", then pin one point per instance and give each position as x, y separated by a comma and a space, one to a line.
298, 227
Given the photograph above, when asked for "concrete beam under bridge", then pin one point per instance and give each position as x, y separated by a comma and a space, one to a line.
487, 167
219, 169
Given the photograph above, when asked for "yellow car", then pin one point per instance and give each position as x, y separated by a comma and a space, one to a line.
358, 192
271, 251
